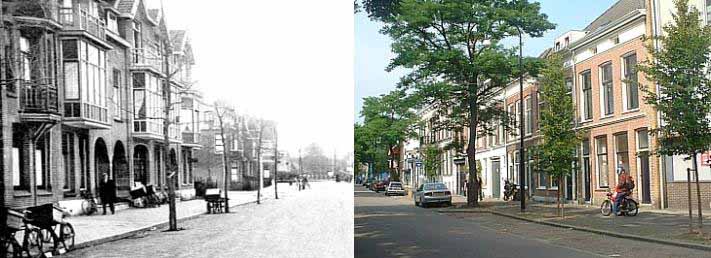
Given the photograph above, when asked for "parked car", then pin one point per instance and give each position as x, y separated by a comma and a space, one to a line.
368, 182
379, 186
429, 193
394, 188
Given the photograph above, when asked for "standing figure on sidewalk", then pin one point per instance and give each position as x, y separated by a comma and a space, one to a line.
107, 190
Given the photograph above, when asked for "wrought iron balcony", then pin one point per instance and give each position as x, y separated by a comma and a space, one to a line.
39, 98
74, 19
146, 58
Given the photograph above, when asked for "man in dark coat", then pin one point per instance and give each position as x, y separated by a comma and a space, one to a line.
107, 191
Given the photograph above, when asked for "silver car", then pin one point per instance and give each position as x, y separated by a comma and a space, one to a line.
432, 193
394, 188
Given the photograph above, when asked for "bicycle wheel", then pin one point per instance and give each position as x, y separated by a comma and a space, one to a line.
632, 208
32, 243
606, 208
11, 247
66, 235
49, 240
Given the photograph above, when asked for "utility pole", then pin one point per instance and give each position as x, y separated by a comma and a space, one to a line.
276, 161
225, 161
3, 214
259, 162
521, 164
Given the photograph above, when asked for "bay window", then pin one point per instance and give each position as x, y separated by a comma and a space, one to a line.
84, 80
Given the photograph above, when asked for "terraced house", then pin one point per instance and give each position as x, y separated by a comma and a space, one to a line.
83, 95
611, 116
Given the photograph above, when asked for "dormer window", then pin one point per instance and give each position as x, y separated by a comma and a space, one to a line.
567, 41
112, 22
616, 40
557, 46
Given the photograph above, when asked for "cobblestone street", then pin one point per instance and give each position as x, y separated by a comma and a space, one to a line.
311, 223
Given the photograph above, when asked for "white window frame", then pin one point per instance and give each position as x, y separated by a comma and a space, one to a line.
583, 101
528, 115
602, 94
623, 66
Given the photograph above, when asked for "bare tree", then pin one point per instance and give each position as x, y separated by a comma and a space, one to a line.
221, 111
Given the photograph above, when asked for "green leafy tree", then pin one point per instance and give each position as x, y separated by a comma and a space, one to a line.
556, 154
457, 64
432, 161
389, 119
680, 69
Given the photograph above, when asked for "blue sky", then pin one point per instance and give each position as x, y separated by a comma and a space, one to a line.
372, 49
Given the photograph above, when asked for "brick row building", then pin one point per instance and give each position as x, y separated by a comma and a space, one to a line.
83, 91
611, 116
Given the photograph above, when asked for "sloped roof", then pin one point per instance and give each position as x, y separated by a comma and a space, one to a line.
177, 39
615, 12
126, 6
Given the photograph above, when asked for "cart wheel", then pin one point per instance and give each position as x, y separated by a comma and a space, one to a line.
67, 236
32, 243
50, 240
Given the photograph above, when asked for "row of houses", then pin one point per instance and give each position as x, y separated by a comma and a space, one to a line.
83, 90
611, 115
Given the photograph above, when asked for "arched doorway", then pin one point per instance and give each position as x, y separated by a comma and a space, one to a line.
140, 164
173, 167
101, 161
120, 167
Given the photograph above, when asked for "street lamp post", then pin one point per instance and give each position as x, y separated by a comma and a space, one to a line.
521, 164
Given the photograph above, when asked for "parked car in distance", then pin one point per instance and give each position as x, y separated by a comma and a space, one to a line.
394, 188
368, 182
380, 186
429, 193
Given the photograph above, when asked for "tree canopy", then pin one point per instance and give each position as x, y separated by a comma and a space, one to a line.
458, 64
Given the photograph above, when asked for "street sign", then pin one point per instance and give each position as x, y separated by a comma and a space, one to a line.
418, 164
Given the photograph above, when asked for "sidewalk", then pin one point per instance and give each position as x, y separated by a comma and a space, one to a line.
661, 226
96, 229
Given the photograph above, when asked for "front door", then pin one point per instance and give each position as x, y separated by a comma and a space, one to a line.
569, 186
586, 178
644, 172
496, 179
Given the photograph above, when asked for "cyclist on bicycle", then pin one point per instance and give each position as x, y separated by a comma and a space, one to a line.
622, 189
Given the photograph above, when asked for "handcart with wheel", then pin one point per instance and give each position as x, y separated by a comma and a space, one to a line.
56, 234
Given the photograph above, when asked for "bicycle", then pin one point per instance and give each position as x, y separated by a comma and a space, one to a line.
628, 206
31, 240
65, 235
47, 219
88, 205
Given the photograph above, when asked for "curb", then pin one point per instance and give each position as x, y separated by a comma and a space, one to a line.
148, 228
609, 233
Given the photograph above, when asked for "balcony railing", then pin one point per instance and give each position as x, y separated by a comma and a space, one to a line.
191, 138
40, 98
147, 57
86, 111
83, 21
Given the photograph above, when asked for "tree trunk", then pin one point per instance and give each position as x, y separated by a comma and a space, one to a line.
172, 219
473, 186
225, 161
698, 196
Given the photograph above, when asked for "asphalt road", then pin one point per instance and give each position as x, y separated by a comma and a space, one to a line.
394, 227
316, 222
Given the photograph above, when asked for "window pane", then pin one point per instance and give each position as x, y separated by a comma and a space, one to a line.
69, 49
16, 166
139, 100
39, 157
602, 162
622, 153
71, 80
643, 139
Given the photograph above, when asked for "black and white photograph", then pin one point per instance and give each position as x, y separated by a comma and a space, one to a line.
176, 128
